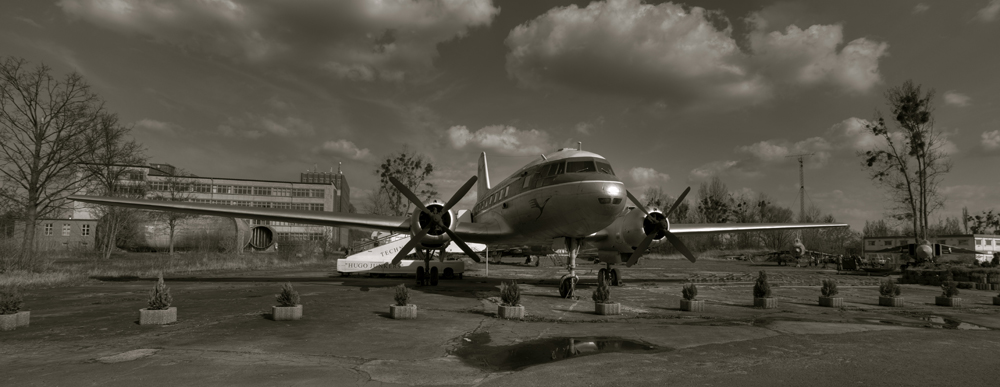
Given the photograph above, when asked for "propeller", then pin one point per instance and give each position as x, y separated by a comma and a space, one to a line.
435, 219
661, 229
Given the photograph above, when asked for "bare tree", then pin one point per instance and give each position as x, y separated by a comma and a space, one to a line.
44, 128
879, 228
378, 202
174, 188
113, 172
411, 169
657, 197
910, 161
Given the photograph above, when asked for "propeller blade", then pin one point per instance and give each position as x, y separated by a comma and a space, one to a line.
641, 249
677, 202
414, 240
461, 244
409, 195
460, 193
674, 240
636, 202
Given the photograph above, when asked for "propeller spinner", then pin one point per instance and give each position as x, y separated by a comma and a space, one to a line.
657, 226
432, 220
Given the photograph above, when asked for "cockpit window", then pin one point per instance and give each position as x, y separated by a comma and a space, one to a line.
555, 169
605, 168
580, 166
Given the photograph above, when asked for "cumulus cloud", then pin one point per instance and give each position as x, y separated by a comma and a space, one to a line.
771, 151
920, 8
344, 148
353, 39
852, 133
506, 140
990, 12
587, 127
990, 140
679, 56
647, 176
952, 97
713, 168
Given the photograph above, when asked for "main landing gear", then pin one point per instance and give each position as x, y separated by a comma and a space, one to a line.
427, 275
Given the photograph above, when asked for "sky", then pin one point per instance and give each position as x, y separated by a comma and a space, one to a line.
671, 93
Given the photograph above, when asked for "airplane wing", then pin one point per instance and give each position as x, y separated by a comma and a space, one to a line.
959, 250
716, 228
906, 249
472, 232
320, 218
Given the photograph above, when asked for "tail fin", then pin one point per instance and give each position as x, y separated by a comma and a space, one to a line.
484, 177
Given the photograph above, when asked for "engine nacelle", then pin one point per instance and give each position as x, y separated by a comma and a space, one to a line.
436, 237
628, 231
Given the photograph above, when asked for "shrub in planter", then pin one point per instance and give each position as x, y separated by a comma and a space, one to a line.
402, 309
159, 311
602, 299
510, 297
10, 308
949, 293
762, 293
288, 307
889, 294
689, 304
829, 297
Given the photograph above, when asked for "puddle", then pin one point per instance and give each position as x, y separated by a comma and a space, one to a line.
476, 352
946, 323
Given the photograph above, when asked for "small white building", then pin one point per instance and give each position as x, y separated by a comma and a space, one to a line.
985, 243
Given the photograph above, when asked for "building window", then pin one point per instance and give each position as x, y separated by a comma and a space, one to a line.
941, 242
85, 230
963, 241
48, 229
871, 243
888, 243
316, 206
979, 242
66, 229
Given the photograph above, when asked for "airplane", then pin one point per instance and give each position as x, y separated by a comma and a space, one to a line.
925, 251
570, 194
795, 251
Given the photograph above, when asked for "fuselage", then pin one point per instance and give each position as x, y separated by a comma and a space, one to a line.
569, 193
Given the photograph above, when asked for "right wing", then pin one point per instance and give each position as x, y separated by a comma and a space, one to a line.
399, 224
716, 228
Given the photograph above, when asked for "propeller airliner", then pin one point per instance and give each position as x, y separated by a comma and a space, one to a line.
571, 194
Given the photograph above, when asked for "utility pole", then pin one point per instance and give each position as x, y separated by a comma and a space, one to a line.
802, 187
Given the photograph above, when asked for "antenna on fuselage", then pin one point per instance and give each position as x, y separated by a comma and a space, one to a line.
579, 145
543, 157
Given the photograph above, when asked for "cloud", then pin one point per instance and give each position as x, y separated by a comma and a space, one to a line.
713, 168
852, 133
506, 140
952, 97
990, 140
346, 149
647, 176
680, 56
776, 151
587, 127
989, 12
358, 40
255, 126
920, 8
160, 127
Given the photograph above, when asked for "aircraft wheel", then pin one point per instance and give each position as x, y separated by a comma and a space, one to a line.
567, 286
449, 273
602, 275
434, 276
616, 280
420, 275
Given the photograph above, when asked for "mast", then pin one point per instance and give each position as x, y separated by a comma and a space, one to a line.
802, 186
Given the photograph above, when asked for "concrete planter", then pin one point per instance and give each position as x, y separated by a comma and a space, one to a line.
157, 317
996, 300
511, 312
831, 302
948, 301
286, 313
890, 301
407, 312
692, 305
23, 318
608, 309
8, 322
765, 303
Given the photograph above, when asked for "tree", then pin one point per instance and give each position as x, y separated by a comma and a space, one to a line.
411, 169
113, 173
378, 202
909, 162
981, 224
44, 128
770, 213
657, 197
174, 188
879, 228
946, 226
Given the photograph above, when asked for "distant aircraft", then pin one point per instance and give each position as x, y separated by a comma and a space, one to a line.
570, 194
795, 251
925, 251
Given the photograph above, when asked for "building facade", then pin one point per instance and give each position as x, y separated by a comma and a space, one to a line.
988, 244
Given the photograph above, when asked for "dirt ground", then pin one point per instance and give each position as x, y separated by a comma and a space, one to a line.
89, 334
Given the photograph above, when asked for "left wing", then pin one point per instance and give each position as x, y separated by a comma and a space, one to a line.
320, 218
716, 228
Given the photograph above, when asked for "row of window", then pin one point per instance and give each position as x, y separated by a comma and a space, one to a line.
279, 205
67, 229
960, 242
258, 222
166, 186
300, 236
493, 199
